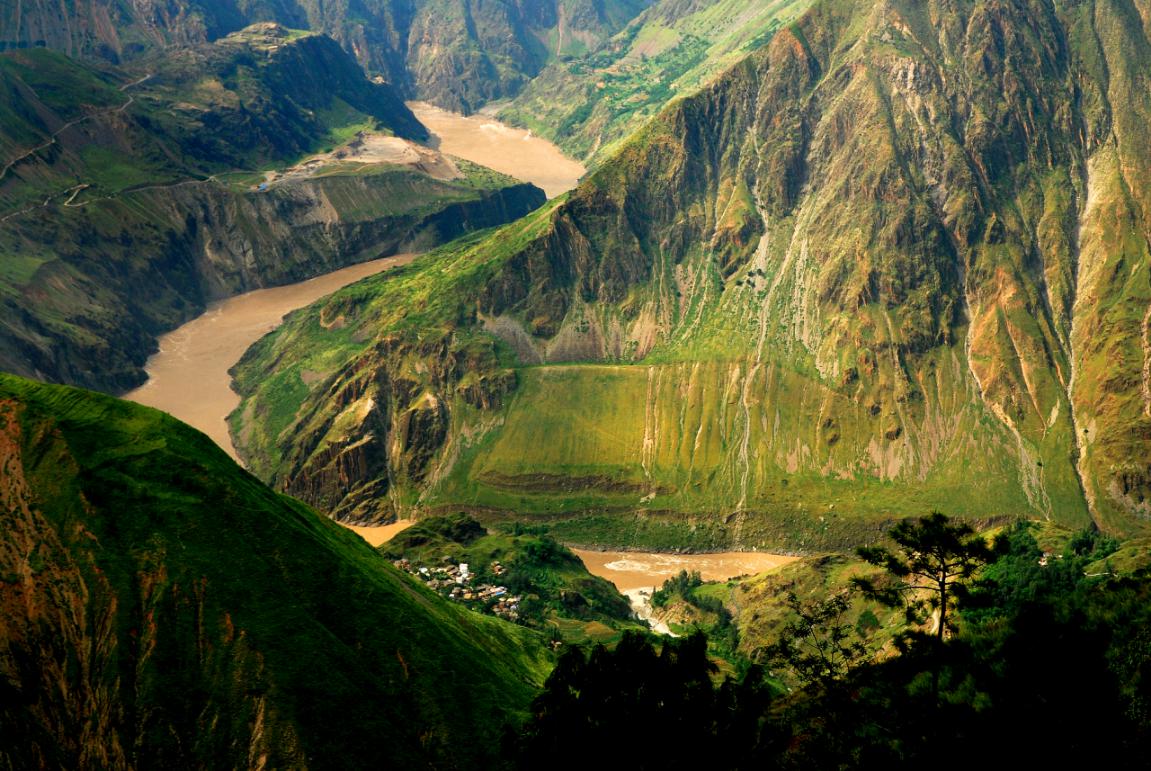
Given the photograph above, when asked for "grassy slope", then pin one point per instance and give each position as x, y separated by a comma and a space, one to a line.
155, 575
588, 104
423, 314
253, 100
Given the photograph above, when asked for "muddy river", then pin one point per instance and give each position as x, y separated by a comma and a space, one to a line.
515, 152
189, 377
638, 574
630, 570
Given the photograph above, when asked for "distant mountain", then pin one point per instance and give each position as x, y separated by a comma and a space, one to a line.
257, 97
590, 103
456, 53
131, 199
163, 608
896, 260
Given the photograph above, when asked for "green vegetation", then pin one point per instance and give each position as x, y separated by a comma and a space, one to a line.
191, 114
705, 612
820, 645
1041, 649
148, 571
552, 589
589, 104
455, 54
767, 616
935, 558
802, 306
172, 191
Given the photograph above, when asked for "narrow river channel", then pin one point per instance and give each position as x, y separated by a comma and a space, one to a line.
189, 377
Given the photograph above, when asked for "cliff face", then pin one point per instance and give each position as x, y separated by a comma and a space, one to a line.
162, 607
136, 209
456, 53
124, 271
591, 102
280, 81
898, 259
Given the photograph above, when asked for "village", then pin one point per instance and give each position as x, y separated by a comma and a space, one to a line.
457, 583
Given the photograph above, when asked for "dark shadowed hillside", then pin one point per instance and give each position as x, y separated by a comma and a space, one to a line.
163, 608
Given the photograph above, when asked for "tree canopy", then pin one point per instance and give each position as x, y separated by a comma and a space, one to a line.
934, 556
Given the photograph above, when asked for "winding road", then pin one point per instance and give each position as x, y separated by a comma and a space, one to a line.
74, 189
100, 113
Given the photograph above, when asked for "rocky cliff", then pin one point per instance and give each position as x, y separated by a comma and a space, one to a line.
130, 204
456, 53
590, 103
161, 607
124, 271
896, 260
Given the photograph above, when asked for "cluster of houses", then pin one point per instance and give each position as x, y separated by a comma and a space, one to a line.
457, 582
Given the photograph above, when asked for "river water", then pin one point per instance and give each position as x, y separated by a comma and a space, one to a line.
630, 570
516, 152
638, 574
189, 377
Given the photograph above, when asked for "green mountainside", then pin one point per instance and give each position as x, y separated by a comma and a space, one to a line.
591, 103
258, 97
161, 607
455, 53
549, 587
897, 260
130, 201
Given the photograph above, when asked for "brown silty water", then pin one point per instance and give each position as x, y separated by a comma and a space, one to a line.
189, 377
645, 570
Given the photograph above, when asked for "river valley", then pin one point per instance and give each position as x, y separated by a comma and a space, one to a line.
189, 376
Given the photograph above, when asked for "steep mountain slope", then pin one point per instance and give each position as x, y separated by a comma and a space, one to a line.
456, 53
255, 98
163, 608
128, 202
589, 104
897, 260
